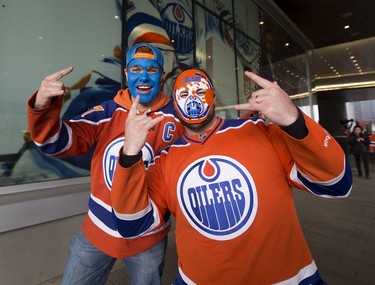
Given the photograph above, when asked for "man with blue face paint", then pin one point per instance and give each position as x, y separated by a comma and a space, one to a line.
94, 250
144, 73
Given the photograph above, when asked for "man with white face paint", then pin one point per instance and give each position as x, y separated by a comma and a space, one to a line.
229, 185
96, 247
194, 100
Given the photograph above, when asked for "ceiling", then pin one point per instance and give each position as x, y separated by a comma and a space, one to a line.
338, 51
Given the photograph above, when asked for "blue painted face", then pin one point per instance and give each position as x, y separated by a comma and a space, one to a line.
144, 79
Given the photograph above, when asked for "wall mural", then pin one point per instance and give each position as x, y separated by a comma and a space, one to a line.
169, 26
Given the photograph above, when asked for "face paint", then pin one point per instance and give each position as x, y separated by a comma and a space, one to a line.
144, 79
194, 96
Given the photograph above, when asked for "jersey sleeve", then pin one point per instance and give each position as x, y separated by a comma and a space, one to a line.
136, 209
317, 164
56, 137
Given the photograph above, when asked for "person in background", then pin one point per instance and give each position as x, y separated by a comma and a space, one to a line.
359, 145
94, 250
229, 185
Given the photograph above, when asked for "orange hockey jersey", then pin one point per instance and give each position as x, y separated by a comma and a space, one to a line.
230, 191
372, 143
103, 127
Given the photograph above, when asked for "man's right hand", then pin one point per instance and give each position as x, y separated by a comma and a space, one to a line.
51, 87
137, 127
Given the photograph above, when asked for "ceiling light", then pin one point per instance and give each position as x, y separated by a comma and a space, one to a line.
348, 14
346, 27
344, 86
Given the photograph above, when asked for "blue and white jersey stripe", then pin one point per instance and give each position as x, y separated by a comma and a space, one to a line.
338, 187
104, 217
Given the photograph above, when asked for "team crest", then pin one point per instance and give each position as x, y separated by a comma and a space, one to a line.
111, 154
218, 197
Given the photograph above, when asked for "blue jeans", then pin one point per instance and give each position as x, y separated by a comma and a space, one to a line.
87, 265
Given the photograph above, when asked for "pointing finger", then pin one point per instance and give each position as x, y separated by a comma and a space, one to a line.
60, 74
262, 82
246, 106
133, 108
156, 121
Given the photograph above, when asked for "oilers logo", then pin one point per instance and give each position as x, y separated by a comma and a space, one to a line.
218, 197
110, 158
194, 107
177, 21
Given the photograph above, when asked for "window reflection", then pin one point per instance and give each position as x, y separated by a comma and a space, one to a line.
225, 43
42, 43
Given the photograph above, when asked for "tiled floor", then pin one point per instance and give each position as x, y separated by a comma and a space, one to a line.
341, 235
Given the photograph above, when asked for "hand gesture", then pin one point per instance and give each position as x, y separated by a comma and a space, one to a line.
51, 87
137, 127
271, 102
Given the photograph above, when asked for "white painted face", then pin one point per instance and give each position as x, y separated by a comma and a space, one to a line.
193, 96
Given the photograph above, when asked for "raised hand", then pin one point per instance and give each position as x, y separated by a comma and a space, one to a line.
137, 127
51, 87
271, 102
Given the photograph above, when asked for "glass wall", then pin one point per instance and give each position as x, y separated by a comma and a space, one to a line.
39, 38
227, 47
283, 59
223, 37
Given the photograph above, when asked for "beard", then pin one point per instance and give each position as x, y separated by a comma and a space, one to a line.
199, 127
